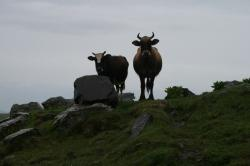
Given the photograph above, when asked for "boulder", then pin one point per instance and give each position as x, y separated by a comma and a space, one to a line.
21, 135
94, 89
57, 102
29, 107
26, 114
11, 125
76, 114
228, 84
127, 97
140, 124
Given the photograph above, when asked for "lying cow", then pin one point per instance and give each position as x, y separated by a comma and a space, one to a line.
115, 67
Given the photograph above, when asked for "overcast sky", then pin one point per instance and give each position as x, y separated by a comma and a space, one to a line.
44, 44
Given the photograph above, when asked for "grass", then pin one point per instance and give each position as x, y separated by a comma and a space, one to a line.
3, 116
210, 129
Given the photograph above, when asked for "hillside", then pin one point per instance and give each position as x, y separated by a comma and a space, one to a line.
209, 129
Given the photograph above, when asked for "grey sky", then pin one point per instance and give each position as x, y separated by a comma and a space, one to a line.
44, 44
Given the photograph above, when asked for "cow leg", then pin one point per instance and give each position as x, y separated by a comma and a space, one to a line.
142, 79
117, 88
151, 96
122, 87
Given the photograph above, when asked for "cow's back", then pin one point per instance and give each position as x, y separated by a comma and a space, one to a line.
117, 67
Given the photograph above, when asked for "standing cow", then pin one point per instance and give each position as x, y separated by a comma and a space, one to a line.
115, 67
147, 63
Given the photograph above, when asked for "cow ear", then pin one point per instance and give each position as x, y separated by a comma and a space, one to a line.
136, 43
91, 58
154, 42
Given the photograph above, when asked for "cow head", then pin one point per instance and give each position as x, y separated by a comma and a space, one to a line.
145, 43
98, 57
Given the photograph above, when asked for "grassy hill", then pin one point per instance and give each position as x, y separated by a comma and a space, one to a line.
209, 129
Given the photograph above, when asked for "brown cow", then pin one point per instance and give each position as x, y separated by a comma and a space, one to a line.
147, 63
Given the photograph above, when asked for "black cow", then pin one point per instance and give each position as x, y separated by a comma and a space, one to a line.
115, 67
147, 63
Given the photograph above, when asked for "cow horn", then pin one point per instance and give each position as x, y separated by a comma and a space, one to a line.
104, 53
152, 35
138, 36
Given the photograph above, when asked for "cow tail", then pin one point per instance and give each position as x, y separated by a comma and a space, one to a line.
148, 85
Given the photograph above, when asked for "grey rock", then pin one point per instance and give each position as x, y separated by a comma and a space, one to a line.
127, 97
228, 84
76, 114
94, 89
29, 107
26, 114
140, 124
21, 135
11, 125
57, 102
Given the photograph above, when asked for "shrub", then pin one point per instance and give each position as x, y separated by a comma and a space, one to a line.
177, 91
218, 85
246, 80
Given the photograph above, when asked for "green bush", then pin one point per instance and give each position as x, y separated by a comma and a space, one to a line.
218, 85
247, 80
177, 91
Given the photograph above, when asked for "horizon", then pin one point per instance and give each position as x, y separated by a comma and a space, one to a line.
44, 44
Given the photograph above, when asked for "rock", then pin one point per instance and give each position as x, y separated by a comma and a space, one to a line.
29, 107
127, 97
94, 89
26, 114
11, 125
76, 114
57, 102
228, 84
20, 136
140, 124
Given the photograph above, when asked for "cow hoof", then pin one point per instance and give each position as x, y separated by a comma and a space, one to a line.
151, 98
141, 99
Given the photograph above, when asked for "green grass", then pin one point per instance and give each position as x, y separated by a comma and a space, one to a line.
210, 129
3, 116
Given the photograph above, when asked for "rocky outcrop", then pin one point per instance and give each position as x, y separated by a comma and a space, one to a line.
57, 102
19, 136
29, 107
140, 124
228, 84
94, 89
67, 120
11, 125
127, 97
